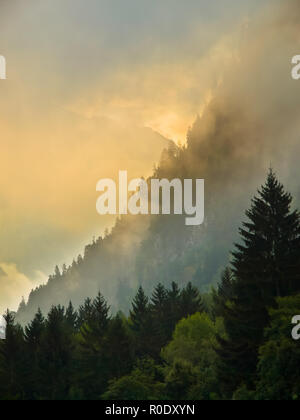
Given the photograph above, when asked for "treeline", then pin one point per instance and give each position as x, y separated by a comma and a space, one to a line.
75, 354
235, 343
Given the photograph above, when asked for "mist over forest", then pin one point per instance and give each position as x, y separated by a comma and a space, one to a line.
152, 309
232, 144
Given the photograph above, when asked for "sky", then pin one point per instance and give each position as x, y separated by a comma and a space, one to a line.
94, 87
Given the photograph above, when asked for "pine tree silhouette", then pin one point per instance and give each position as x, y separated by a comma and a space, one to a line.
224, 293
191, 301
141, 324
265, 266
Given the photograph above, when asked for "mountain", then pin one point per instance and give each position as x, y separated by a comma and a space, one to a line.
151, 249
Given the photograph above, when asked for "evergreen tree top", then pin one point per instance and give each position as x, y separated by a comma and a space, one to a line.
272, 227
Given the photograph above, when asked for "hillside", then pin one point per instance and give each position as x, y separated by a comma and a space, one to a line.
150, 249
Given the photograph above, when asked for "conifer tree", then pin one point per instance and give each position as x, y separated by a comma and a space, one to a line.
159, 312
85, 314
140, 311
100, 313
22, 307
265, 265
224, 292
34, 331
71, 316
141, 324
12, 360
97, 319
191, 301
174, 293
34, 335
174, 310
57, 272
56, 356
118, 352
159, 298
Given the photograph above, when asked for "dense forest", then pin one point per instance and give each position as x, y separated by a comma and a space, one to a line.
231, 343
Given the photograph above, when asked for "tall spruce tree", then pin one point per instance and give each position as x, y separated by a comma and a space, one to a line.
118, 349
159, 312
100, 314
174, 307
141, 324
93, 364
140, 311
191, 301
85, 313
34, 335
13, 366
34, 331
71, 316
56, 356
93, 331
265, 265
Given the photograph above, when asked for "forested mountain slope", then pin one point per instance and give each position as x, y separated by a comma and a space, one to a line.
151, 249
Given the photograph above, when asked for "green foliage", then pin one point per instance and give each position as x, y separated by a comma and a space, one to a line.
243, 394
144, 383
279, 356
191, 358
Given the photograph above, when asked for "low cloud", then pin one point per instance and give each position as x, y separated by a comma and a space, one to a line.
15, 285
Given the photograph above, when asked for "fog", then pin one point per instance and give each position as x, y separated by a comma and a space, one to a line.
233, 69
